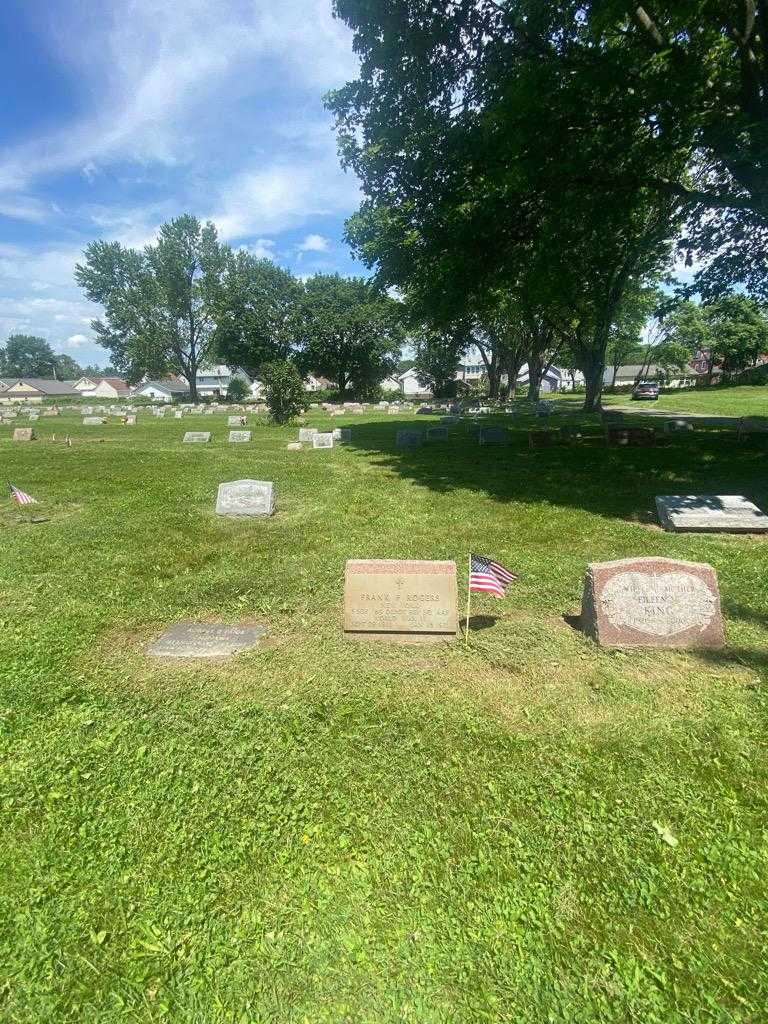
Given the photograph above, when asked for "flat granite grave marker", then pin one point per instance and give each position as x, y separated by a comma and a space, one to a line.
294, 446
178, 414
236, 421
322, 440
93, 421
246, 498
652, 602
197, 437
130, 421
437, 433
409, 438
400, 601
342, 434
23, 434
710, 513
239, 436
307, 433
205, 640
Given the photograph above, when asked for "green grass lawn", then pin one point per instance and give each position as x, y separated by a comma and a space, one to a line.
532, 830
718, 401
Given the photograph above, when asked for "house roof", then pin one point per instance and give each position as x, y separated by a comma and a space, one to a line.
172, 387
116, 382
41, 385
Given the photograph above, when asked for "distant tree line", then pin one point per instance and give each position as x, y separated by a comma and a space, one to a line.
189, 300
532, 170
26, 355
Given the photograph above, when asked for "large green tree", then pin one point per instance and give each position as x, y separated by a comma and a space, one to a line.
161, 306
349, 331
67, 368
26, 355
260, 303
732, 330
495, 149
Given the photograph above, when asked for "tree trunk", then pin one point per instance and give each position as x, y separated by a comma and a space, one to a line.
342, 382
192, 379
513, 368
593, 370
535, 371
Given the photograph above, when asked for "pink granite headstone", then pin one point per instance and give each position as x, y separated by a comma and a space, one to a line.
652, 602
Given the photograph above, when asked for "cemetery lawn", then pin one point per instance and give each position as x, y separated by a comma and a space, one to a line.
719, 401
531, 830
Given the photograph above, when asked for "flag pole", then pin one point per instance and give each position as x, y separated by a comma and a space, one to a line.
469, 598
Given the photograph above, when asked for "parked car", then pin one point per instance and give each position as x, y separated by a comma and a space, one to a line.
646, 389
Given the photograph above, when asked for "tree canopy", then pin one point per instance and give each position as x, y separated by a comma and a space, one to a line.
552, 152
349, 331
161, 306
26, 355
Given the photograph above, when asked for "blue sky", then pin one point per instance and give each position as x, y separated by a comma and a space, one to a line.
120, 114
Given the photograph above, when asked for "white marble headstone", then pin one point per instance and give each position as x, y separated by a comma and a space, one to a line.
246, 498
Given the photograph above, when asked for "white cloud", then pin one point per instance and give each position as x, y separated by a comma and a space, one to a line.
314, 243
155, 70
278, 197
77, 341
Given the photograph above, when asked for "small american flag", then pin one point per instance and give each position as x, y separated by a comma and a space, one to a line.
21, 497
489, 576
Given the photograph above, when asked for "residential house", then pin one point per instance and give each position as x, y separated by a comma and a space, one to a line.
213, 381
629, 374
553, 379
35, 389
163, 390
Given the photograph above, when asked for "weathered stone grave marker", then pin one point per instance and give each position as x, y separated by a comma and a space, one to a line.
710, 513
437, 433
93, 421
322, 440
23, 434
307, 433
652, 602
342, 434
236, 421
205, 640
492, 435
197, 437
400, 601
239, 436
294, 446
245, 498
409, 438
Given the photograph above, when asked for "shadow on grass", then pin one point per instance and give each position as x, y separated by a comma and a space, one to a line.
480, 622
617, 481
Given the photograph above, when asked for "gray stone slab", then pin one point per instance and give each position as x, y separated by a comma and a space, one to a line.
710, 513
294, 446
23, 434
197, 437
307, 433
205, 640
492, 435
409, 438
245, 498
322, 440
342, 434
239, 436
437, 433
236, 421
93, 421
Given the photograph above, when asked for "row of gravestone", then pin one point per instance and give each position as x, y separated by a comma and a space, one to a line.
631, 603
